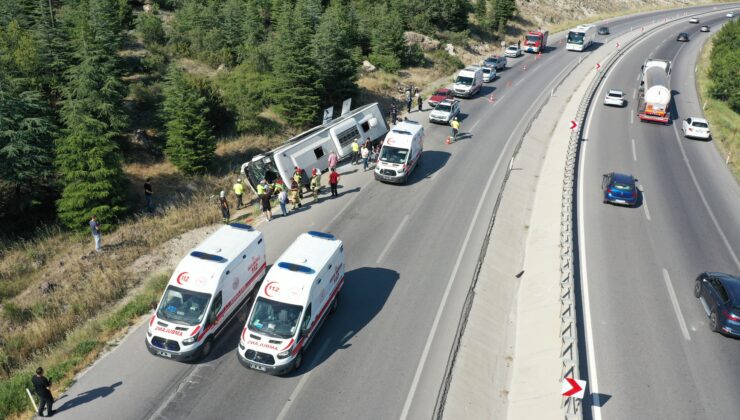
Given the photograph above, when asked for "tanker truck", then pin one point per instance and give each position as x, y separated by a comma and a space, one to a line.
655, 93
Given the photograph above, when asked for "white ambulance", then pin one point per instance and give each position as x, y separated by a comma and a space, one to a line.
400, 153
209, 286
292, 303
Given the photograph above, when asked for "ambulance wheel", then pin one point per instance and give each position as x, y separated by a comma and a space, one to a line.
334, 304
207, 347
298, 361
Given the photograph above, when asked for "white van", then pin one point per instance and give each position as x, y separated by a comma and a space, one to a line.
300, 290
208, 286
400, 153
468, 82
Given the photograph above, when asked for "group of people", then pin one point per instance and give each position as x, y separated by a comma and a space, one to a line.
288, 195
369, 150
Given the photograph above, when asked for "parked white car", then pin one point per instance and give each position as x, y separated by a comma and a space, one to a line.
513, 51
697, 128
489, 74
614, 98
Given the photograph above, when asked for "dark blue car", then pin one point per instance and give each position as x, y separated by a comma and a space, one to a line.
619, 189
719, 295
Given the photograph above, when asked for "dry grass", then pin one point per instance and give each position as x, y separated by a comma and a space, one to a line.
722, 119
83, 283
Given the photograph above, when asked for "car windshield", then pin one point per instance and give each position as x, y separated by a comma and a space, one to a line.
621, 186
615, 94
440, 93
512, 48
443, 108
575, 37
183, 306
462, 80
486, 70
275, 319
490, 62
392, 154
699, 124
532, 39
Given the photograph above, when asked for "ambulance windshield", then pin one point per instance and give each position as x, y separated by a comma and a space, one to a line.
275, 319
392, 154
183, 306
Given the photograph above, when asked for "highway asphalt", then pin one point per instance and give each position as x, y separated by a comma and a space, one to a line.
410, 255
651, 353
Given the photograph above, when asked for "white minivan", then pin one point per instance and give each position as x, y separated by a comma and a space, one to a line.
468, 82
300, 290
208, 286
400, 152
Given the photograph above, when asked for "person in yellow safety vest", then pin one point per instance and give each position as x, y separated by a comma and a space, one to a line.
355, 151
455, 124
238, 191
261, 187
315, 184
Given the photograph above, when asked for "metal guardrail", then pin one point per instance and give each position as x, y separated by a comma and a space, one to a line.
569, 327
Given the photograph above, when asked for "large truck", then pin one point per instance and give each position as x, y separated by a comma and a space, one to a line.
535, 41
580, 38
655, 94
311, 148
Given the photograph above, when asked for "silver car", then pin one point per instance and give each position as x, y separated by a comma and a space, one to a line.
489, 74
614, 98
445, 111
513, 51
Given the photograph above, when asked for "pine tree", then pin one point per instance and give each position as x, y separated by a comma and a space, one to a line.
387, 40
190, 141
297, 84
26, 133
88, 158
335, 55
481, 12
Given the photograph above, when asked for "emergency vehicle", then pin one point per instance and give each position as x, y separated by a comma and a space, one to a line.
207, 288
400, 152
535, 41
300, 290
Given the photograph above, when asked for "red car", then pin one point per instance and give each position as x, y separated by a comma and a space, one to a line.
439, 96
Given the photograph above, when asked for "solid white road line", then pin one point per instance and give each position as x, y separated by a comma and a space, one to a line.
588, 333
393, 238
704, 200
645, 206
676, 308
301, 383
634, 152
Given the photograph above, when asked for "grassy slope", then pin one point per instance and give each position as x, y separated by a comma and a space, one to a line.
723, 121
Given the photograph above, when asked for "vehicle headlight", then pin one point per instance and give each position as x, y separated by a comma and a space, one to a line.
285, 353
149, 333
189, 340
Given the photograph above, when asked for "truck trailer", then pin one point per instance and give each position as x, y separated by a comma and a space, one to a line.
655, 93
311, 148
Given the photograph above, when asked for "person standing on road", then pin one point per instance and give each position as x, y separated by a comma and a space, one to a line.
408, 101
419, 101
315, 184
148, 195
333, 181
95, 229
224, 205
332, 160
239, 192
42, 386
266, 205
365, 155
295, 196
455, 125
355, 151
394, 114
283, 201
297, 177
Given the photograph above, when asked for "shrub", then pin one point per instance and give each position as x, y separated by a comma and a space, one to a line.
387, 62
449, 63
149, 26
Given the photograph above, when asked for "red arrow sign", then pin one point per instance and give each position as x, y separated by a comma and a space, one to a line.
573, 124
598, 66
573, 388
